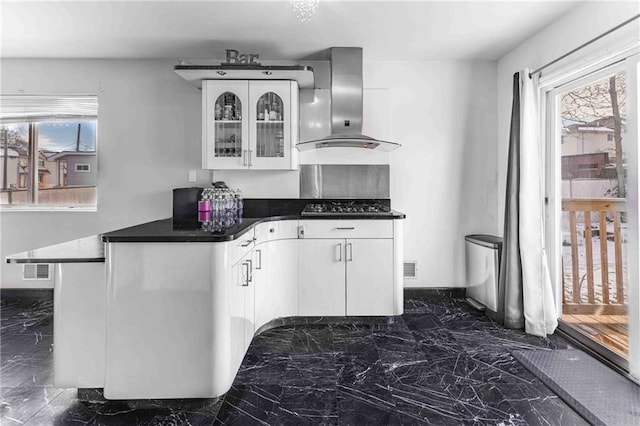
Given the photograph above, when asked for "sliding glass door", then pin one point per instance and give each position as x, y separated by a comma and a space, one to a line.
592, 141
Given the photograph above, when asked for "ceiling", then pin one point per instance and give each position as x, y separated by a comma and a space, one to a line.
386, 30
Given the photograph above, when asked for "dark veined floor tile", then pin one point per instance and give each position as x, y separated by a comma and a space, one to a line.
310, 370
26, 343
29, 370
310, 405
312, 340
250, 404
538, 405
20, 403
424, 403
262, 369
366, 404
483, 403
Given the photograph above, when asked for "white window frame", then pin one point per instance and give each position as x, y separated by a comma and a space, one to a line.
32, 109
79, 170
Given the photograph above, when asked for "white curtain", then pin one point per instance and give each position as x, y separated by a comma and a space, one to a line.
525, 282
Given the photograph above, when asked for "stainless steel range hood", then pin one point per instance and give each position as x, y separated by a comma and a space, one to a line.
346, 105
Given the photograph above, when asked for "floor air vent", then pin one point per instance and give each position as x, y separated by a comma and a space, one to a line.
35, 271
410, 269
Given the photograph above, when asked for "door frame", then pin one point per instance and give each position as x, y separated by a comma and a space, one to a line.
550, 87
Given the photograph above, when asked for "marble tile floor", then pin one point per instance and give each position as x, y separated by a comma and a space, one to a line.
440, 363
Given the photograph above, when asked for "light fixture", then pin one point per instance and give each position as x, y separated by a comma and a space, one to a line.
305, 9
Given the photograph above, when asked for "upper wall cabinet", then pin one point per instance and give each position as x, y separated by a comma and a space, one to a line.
249, 124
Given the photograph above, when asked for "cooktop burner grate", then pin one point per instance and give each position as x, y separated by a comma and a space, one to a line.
346, 207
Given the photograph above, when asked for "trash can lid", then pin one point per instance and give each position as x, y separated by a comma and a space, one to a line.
485, 240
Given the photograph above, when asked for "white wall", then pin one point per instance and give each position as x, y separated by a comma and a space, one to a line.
444, 176
148, 137
567, 33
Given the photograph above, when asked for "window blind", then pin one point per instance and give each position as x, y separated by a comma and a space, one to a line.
21, 108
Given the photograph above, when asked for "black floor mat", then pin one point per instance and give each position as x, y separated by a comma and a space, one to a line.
599, 394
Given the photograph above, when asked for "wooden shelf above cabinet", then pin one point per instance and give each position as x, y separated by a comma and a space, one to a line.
194, 74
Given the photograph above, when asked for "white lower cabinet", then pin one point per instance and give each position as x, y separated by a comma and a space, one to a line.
79, 325
369, 264
276, 281
180, 316
242, 304
161, 309
321, 289
346, 277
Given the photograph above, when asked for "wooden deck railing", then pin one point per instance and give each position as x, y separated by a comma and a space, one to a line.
587, 221
78, 195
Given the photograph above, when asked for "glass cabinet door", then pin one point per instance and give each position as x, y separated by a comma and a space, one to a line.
270, 124
226, 130
228, 126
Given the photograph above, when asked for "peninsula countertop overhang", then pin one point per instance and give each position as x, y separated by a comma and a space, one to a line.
165, 231
82, 250
91, 249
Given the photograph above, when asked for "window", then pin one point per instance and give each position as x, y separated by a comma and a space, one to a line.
83, 167
592, 166
43, 141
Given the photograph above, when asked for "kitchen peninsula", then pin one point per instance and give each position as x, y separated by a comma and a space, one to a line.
174, 308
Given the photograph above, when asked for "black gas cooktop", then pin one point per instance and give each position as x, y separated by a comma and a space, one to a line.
346, 207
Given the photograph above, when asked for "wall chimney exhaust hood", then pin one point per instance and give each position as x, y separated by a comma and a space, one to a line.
346, 106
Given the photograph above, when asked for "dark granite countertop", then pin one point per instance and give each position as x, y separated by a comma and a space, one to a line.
89, 249
256, 211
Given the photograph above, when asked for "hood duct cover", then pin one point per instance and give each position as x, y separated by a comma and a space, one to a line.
346, 105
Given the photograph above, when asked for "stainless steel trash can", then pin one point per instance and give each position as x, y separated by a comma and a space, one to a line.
482, 268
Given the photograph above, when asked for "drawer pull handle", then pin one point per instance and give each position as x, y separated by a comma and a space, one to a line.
250, 270
245, 275
259, 262
346, 228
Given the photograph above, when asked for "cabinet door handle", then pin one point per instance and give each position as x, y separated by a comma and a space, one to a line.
246, 243
245, 281
350, 250
339, 247
259, 262
250, 269
346, 228
244, 157
250, 154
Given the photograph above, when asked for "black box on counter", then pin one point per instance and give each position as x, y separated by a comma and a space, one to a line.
185, 206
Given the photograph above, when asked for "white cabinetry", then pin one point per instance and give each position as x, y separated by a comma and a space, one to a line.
160, 322
79, 325
242, 304
341, 272
277, 284
275, 271
369, 265
249, 124
321, 289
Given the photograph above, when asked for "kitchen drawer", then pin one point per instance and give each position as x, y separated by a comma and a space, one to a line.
282, 230
347, 228
262, 232
276, 230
